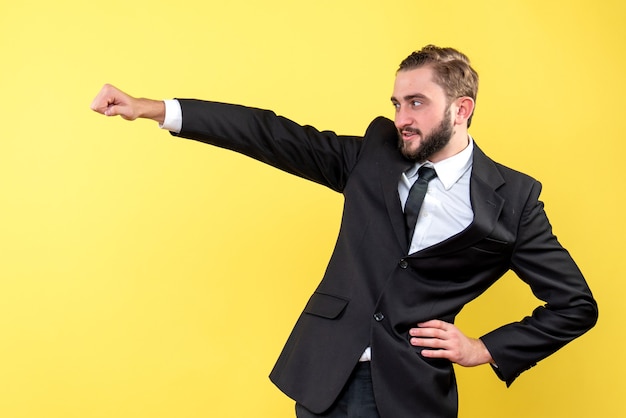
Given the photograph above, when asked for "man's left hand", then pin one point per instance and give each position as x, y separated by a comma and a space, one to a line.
448, 342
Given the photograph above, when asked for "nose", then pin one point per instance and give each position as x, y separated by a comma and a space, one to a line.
402, 118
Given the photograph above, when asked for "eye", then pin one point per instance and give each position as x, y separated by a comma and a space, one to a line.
416, 103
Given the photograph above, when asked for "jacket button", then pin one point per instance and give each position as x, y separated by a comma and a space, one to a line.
378, 316
403, 263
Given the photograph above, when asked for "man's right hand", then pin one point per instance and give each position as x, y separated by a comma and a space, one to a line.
111, 101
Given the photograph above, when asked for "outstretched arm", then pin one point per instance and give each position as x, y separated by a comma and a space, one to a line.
111, 101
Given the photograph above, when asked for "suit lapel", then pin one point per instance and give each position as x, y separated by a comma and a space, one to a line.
486, 204
390, 176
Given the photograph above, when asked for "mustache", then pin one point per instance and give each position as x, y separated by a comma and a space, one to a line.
410, 130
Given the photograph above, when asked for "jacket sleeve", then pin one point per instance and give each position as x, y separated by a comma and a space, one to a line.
320, 156
569, 311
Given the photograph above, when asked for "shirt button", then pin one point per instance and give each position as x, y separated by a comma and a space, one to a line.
378, 316
403, 264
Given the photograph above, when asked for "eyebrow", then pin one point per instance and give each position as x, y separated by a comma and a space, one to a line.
411, 97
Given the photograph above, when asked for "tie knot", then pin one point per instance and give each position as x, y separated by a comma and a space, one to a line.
426, 174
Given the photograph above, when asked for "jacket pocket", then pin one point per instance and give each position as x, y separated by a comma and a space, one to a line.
326, 306
491, 246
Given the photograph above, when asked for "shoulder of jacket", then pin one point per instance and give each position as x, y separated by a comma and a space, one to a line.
381, 123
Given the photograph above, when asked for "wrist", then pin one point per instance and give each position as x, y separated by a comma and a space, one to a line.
485, 355
152, 109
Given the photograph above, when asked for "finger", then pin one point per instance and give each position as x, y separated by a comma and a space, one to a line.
426, 333
106, 106
434, 323
431, 332
436, 354
99, 106
428, 342
101, 101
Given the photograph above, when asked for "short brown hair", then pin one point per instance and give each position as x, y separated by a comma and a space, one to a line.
451, 70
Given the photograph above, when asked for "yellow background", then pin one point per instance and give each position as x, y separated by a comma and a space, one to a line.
143, 275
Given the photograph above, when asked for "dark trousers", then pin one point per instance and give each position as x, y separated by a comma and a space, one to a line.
355, 401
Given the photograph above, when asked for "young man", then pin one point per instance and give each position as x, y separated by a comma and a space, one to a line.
376, 339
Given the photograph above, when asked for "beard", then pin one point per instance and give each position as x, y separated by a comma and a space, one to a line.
431, 143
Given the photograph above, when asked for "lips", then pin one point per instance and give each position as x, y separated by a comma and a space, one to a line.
409, 133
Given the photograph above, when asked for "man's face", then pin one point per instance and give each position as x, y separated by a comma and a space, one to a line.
423, 116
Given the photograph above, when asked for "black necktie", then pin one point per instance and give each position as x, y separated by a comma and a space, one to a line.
416, 197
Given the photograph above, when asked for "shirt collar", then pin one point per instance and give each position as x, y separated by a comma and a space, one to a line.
450, 170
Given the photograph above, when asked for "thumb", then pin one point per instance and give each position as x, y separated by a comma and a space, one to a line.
114, 110
122, 110
111, 110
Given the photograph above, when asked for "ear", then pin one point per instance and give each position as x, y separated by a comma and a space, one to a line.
464, 107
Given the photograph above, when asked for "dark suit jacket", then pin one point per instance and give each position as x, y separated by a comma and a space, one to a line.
373, 292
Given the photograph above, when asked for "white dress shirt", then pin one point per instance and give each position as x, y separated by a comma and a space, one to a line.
447, 209
173, 121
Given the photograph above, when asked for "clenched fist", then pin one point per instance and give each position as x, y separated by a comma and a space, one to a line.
111, 101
